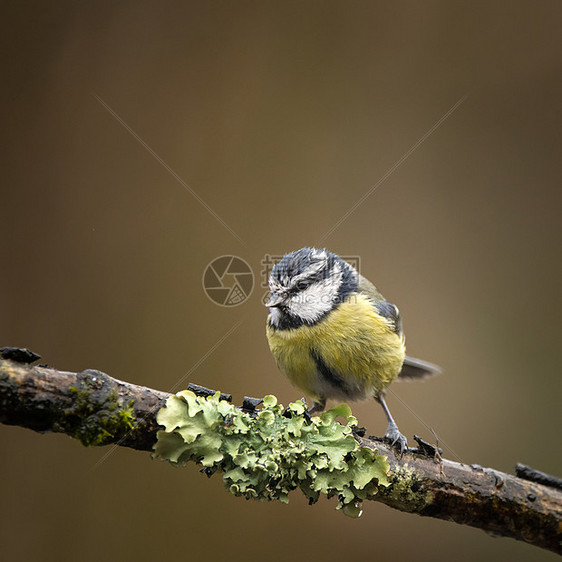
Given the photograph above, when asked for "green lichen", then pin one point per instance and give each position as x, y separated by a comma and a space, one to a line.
96, 420
406, 492
268, 455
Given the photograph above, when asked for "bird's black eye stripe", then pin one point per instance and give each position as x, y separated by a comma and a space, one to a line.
317, 276
302, 284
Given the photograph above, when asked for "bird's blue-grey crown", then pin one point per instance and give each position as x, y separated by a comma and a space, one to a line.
306, 285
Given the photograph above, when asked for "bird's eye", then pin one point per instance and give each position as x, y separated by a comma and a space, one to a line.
302, 285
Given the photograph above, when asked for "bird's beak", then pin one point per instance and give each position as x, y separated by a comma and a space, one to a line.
274, 300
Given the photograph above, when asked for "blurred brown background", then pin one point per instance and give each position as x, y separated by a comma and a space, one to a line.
280, 116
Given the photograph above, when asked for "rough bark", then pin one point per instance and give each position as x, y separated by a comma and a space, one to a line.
96, 409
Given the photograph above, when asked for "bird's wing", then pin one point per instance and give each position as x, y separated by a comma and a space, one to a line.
383, 307
412, 368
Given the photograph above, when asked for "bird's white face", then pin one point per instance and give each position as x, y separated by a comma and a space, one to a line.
305, 286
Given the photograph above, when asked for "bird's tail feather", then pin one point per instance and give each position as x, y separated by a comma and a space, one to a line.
416, 369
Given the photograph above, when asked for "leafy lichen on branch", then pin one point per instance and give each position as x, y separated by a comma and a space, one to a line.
268, 455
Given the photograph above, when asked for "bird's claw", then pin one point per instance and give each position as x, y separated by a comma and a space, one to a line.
317, 407
395, 438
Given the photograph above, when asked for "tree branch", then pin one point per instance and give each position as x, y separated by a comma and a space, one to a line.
100, 410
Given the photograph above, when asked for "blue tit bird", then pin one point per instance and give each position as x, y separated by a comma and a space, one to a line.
334, 335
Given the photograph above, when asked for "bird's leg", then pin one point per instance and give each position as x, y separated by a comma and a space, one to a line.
317, 406
392, 434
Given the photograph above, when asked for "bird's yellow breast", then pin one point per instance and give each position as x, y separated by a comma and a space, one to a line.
350, 354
